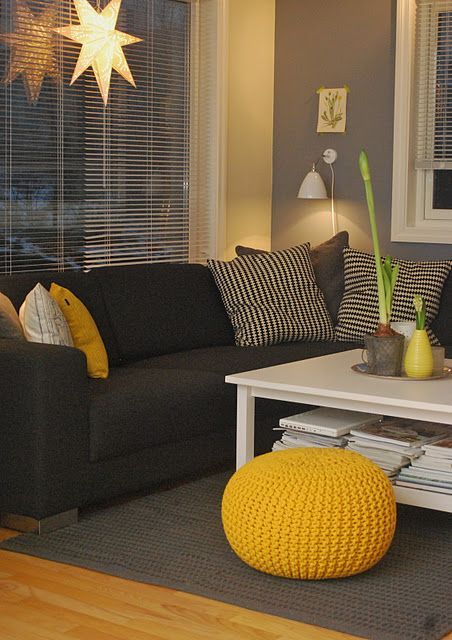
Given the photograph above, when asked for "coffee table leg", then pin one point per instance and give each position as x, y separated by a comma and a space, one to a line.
245, 425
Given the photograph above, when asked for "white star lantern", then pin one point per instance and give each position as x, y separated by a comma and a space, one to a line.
101, 43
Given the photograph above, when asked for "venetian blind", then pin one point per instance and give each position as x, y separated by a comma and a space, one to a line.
87, 185
41, 132
434, 84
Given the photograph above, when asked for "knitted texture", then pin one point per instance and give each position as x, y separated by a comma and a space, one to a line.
309, 513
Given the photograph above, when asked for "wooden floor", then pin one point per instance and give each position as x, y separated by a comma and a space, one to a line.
51, 601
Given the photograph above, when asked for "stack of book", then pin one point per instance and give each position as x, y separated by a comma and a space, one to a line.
323, 427
432, 471
394, 443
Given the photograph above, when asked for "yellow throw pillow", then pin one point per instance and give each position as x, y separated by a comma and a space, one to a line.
85, 333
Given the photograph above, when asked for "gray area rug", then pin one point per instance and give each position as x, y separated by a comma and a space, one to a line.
175, 539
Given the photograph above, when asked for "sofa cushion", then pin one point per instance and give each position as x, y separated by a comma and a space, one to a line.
163, 308
328, 264
231, 359
42, 319
84, 331
358, 313
273, 297
10, 326
84, 285
133, 410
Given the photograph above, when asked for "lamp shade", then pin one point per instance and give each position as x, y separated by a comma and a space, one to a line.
312, 186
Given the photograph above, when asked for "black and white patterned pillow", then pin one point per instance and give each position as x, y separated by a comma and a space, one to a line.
273, 297
358, 312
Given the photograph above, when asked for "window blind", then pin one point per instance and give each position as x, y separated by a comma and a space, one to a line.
433, 66
41, 162
86, 185
137, 150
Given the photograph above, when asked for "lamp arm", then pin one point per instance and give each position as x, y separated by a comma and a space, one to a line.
333, 211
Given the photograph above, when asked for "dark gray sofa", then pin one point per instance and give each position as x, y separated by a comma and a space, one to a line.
165, 412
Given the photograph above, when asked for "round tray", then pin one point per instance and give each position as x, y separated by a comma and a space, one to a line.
362, 368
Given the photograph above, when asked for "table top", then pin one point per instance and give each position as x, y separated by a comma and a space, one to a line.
332, 376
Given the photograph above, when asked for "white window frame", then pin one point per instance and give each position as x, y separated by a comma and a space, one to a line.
413, 219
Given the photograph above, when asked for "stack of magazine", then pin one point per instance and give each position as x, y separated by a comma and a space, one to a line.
323, 427
432, 471
395, 443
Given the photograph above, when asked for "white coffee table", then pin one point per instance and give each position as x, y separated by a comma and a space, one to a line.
329, 381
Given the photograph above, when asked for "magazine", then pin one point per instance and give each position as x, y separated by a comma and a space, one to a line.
411, 452
414, 483
378, 455
311, 439
429, 462
315, 437
402, 431
442, 448
431, 474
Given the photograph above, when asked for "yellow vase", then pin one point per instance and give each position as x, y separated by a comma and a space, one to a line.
419, 358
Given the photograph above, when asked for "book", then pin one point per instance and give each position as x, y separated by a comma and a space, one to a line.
415, 484
327, 421
441, 447
401, 431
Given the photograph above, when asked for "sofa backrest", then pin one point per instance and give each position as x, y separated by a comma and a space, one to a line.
163, 308
141, 310
84, 285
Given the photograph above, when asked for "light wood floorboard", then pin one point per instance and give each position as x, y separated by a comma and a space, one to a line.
42, 600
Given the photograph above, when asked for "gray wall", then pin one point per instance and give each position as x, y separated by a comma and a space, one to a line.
332, 43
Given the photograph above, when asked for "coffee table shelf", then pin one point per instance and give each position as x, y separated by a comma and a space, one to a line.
329, 381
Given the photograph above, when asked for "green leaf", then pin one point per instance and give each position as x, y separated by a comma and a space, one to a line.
387, 288
363, 162
387, 273
394, 276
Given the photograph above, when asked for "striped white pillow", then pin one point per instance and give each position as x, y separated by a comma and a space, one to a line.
42, 319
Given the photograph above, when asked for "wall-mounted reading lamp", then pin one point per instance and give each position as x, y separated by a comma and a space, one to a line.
313, 186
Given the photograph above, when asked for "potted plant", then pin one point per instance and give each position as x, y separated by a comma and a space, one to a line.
385, 346
419, 357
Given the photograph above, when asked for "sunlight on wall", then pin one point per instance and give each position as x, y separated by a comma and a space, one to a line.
311, 222
250, 124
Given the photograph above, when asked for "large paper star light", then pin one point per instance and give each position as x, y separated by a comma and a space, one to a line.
101, 43
32, 48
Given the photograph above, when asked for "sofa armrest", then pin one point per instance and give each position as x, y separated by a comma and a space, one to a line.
44, 430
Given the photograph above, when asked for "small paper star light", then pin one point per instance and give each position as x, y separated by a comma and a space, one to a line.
32, 48
101, 43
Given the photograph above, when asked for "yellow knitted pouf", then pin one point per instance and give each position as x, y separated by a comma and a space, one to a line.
309, 513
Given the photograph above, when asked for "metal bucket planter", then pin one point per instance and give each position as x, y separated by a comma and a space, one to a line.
384, 354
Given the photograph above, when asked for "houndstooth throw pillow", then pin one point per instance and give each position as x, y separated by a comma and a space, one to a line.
358, 312
273, 297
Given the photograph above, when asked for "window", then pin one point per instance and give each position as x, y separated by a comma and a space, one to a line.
422, 171
86, 185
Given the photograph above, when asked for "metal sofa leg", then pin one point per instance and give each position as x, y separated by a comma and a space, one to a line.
44, 525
